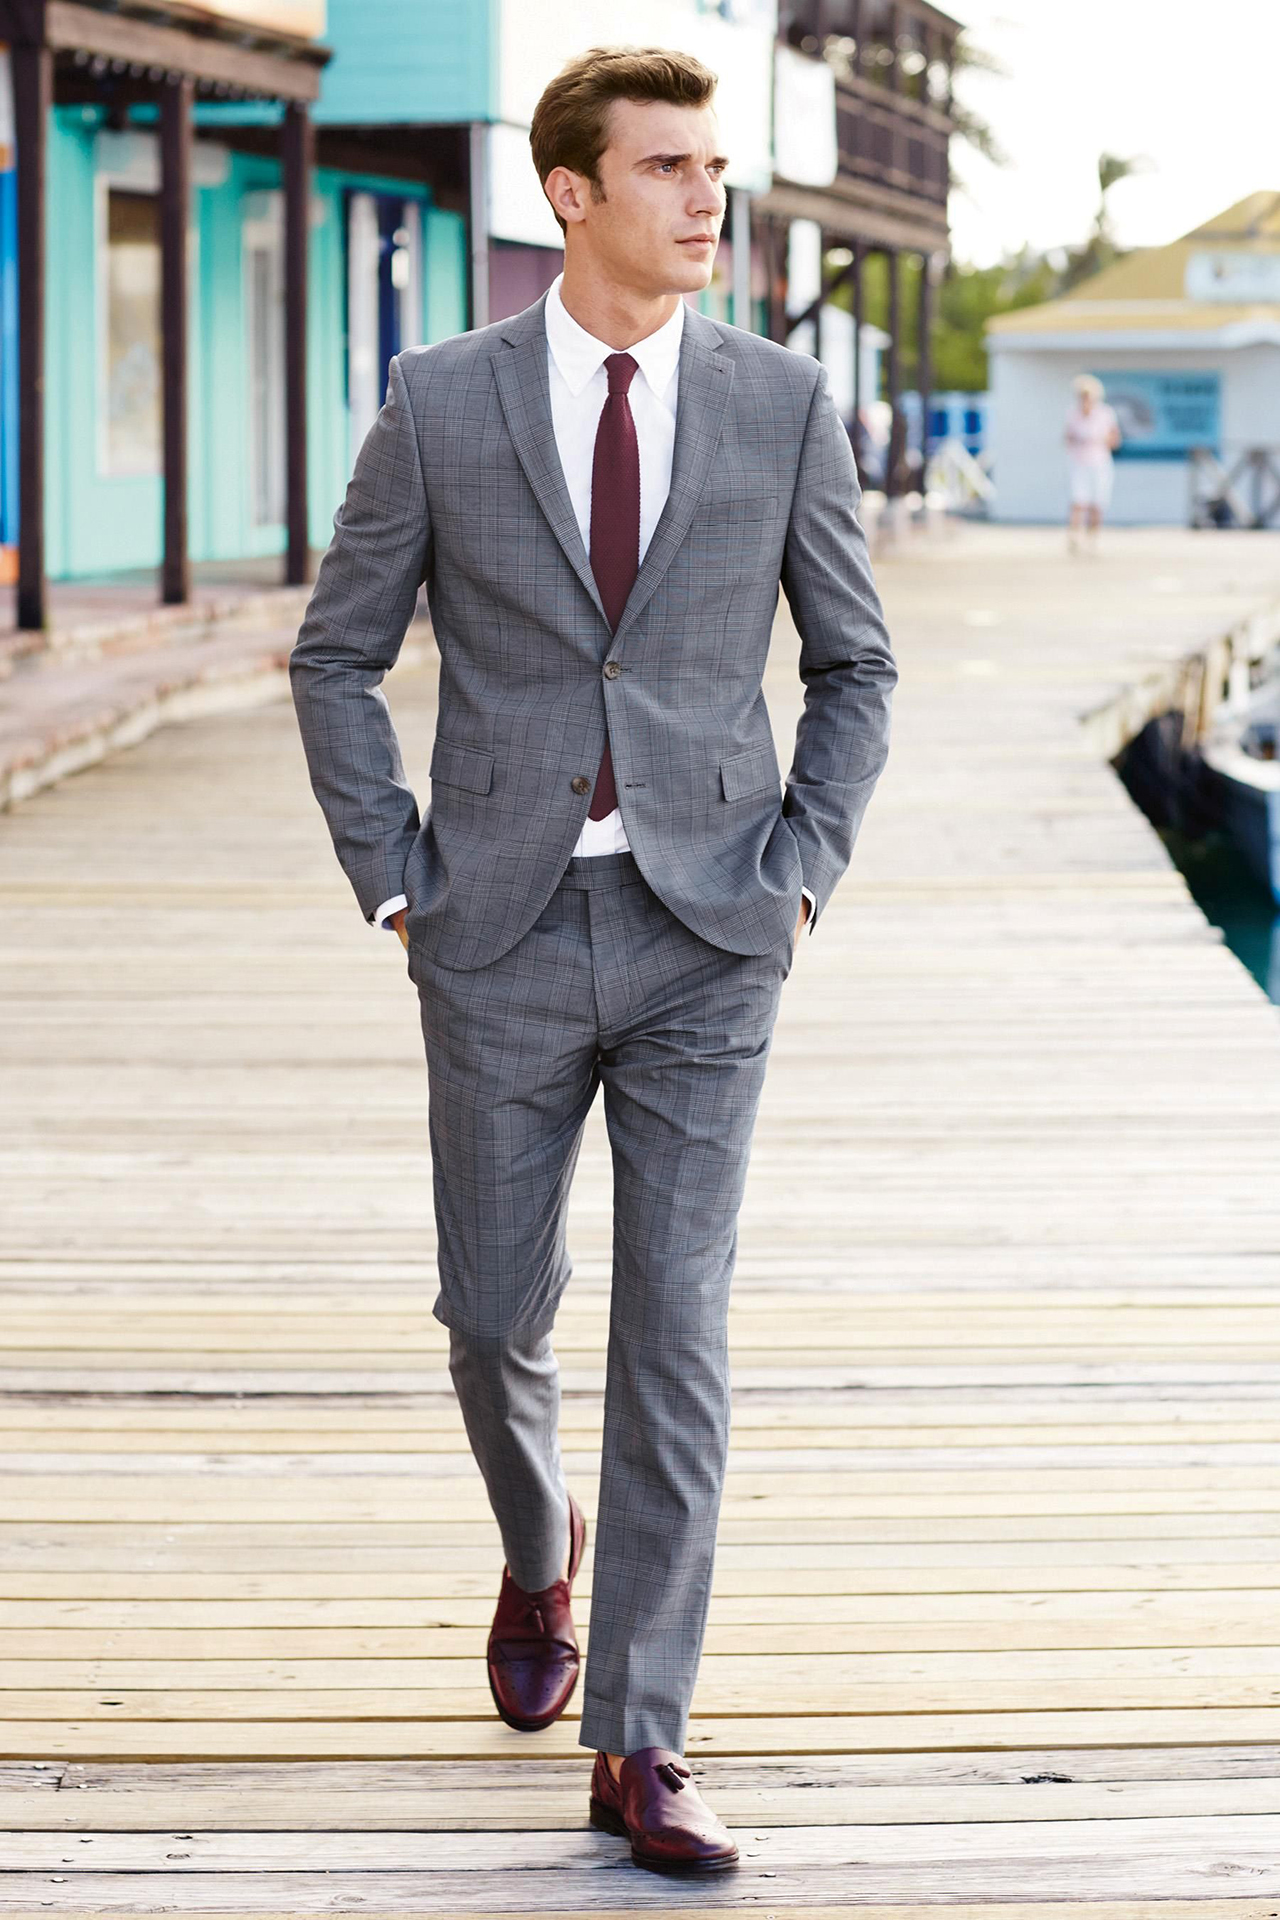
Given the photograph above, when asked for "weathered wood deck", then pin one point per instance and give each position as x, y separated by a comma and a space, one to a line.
995, 1625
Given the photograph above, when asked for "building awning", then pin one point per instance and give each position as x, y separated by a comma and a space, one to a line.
1218, 284
151, 39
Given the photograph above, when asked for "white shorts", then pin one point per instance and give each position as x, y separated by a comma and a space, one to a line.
1090, 483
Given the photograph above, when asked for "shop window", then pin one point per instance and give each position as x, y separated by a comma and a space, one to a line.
263, 234
132, 357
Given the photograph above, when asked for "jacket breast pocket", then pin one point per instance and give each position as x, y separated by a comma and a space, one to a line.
755, 771
457, 766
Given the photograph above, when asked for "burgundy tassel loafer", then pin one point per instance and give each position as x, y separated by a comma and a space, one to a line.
657, 1807
533, 1649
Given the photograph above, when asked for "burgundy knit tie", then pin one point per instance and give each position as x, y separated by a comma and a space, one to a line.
615, 527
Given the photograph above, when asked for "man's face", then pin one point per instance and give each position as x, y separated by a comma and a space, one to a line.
657, 225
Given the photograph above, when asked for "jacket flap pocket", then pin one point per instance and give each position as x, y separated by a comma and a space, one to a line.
751, 772
459, 766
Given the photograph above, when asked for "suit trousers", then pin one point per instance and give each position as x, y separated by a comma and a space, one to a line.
607, 988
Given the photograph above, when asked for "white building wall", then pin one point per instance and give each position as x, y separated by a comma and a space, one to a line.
535, 41
1031, 390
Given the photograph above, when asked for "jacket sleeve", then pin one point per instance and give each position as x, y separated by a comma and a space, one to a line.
364, 596
846, 661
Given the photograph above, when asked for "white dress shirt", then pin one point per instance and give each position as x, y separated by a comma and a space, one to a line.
579, 386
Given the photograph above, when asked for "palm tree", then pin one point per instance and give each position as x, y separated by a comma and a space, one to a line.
1100, 249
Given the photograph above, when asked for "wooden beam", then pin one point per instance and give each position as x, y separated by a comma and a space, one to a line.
924, 343
478, 224
855, 209
32, 65
814, 308
175, 208
74, 27
773, 235
894, 381
297, 153
855, 275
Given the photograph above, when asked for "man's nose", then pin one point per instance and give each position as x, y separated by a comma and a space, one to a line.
707, 196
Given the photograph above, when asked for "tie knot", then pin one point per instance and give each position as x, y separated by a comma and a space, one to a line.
621, 369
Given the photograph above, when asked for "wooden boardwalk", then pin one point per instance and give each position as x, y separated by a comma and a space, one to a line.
995, 1624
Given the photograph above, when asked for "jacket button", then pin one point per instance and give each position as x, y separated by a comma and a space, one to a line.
612, 669
580, 783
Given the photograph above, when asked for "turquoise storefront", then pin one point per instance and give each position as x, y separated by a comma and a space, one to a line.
103, 488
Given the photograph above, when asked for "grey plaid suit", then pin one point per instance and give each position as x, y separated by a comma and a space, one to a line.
655, 974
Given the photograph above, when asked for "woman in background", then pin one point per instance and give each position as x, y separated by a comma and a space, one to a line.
1093, 432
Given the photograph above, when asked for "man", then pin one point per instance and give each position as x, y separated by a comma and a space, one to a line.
602, 496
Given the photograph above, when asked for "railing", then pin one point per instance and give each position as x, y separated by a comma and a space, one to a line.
1242, 491
892, 140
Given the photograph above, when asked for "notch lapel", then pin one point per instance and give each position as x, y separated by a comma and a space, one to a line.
520, 370
706, 380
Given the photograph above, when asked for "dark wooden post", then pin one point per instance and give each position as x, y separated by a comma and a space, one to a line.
857, 331
32, 70
478, 223
775, 320
297, 149
924, 337
175, 208
892, 458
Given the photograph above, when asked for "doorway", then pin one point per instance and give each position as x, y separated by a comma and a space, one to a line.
384, 298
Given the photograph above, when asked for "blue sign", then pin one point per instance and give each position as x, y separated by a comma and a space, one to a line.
1163, 415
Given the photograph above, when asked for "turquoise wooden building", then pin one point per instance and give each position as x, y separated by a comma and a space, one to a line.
103, 483
387, 266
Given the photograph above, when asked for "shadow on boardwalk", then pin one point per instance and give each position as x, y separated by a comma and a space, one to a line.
994, 1624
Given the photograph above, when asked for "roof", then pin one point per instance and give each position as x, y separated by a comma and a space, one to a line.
1147, 290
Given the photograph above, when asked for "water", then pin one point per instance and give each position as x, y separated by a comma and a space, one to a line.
1231, 897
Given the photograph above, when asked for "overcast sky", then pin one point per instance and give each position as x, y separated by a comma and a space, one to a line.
1192, 87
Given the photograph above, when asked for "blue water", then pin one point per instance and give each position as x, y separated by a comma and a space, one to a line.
1231, 897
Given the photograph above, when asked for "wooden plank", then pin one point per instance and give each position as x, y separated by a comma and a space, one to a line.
966, 1869
769, 1687
440, 1853
532, 1805
1070, 1576
1232, 1908
765, 1734
788, 1629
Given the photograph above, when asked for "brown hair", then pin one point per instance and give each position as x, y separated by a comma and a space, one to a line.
571, 120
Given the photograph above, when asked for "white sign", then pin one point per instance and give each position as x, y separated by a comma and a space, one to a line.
804, 264
804, 119
537, 39
518, 208
1234, 278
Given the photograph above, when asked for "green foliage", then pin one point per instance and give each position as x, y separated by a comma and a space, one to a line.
963, 303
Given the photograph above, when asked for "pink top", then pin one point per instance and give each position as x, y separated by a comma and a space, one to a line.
1088, 434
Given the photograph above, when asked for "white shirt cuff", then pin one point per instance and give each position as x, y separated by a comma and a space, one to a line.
813, 908
382, 917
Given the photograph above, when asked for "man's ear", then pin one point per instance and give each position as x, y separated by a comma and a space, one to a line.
568, 193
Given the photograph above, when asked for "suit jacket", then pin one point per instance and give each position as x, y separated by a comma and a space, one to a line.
459, 484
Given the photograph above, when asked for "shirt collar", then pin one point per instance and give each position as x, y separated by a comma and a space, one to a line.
578, 354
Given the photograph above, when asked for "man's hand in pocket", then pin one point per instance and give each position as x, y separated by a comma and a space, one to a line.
397, 921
